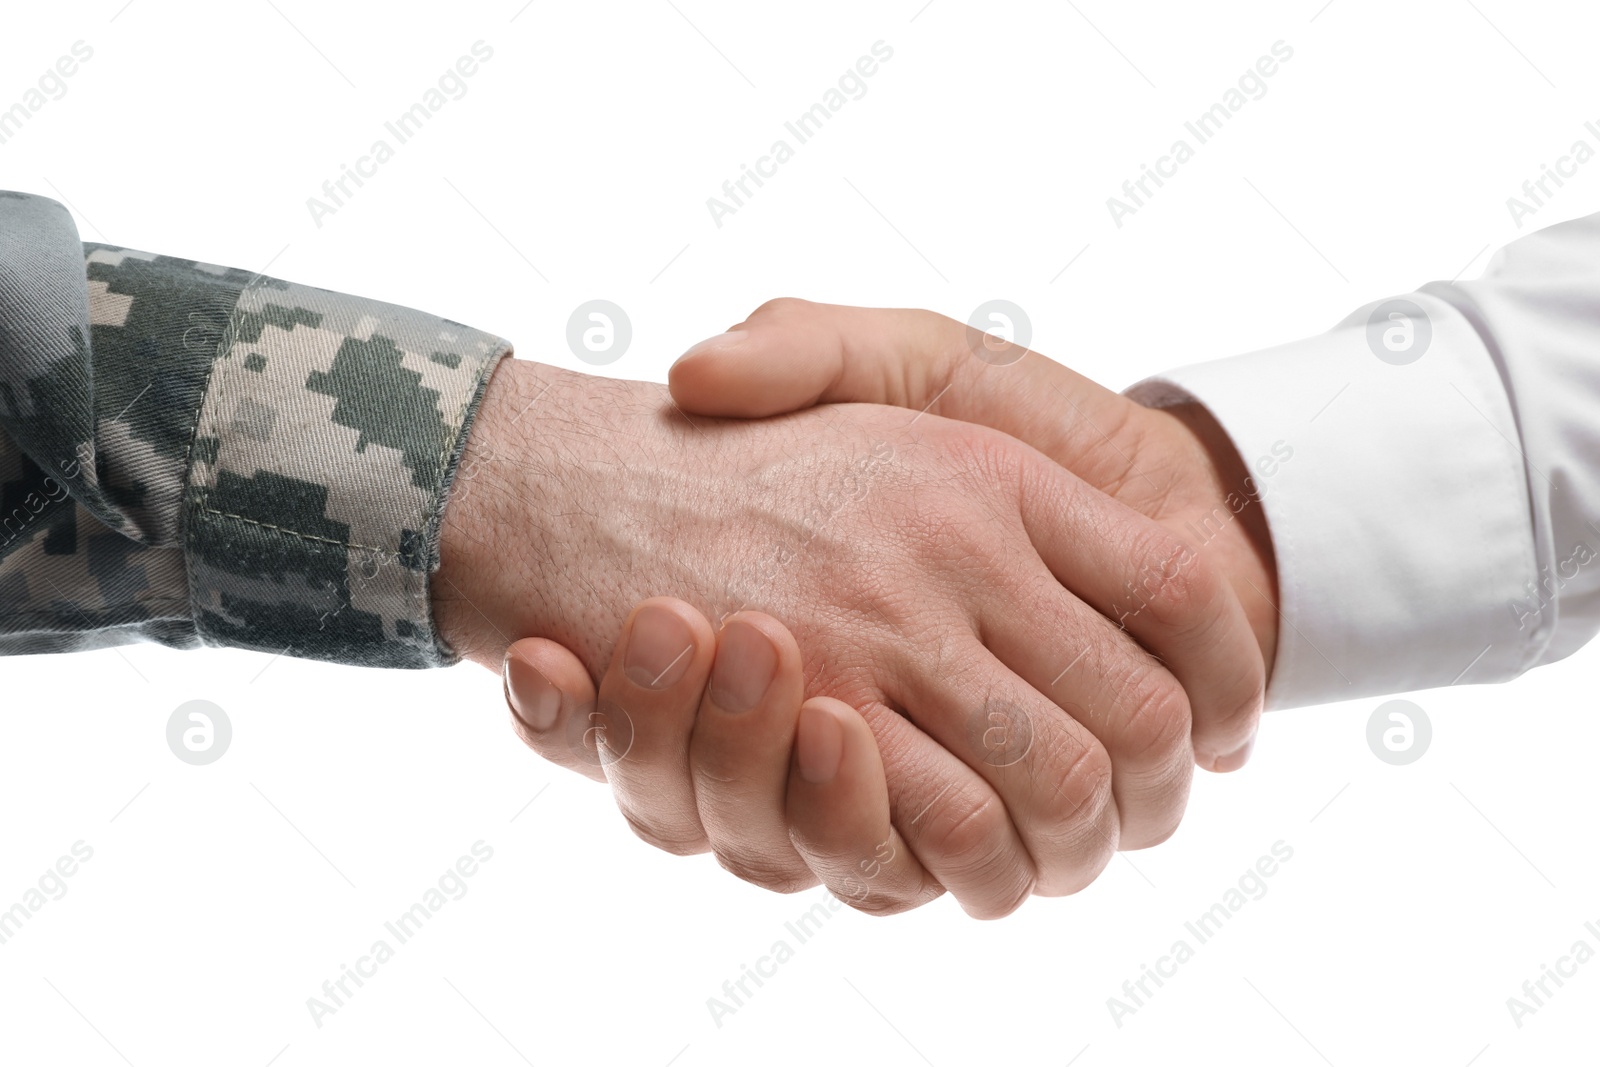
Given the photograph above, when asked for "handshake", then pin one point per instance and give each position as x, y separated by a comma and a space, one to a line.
1024, 606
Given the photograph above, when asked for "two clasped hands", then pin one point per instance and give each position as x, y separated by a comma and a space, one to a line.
871, 603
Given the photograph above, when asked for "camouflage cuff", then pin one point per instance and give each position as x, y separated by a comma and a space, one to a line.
323, 448
197, 454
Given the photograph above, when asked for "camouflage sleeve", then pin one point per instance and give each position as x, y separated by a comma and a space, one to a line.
197, 455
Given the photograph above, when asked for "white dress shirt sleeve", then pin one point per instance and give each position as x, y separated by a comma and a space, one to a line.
1430, 473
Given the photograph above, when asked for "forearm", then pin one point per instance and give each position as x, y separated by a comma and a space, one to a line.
532, 543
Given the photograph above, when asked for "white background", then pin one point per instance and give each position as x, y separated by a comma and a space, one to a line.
220, 898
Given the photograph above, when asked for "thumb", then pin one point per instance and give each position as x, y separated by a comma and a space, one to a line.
793, 354
549, 692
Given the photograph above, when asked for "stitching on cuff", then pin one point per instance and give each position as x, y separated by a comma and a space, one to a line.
285, 530
451, 457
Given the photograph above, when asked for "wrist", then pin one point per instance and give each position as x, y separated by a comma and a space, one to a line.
540, 536
489, 536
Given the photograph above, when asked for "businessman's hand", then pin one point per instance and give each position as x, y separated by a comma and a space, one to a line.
1173, 464
924, 566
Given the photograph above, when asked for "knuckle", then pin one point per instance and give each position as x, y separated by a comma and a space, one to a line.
1238, 717
678, 842
1081, 873
1155, 834
1177, 588
1074, 844
969, 834
881, 904
764, 871
1085, 833
716, 770
1157, 720
781, 307
999, 900
974, 840
1156, 814
1083, 790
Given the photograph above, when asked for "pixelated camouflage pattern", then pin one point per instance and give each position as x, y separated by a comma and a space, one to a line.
76, 585
263, 464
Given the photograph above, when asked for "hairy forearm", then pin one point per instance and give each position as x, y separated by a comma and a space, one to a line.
504, 519
568, 509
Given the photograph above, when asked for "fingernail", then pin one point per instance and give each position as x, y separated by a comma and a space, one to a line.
819, 745
746, 663
531, 695
659, 648
1235, 759
730, 339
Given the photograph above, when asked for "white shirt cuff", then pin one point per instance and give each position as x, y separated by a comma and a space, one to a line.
1396, 494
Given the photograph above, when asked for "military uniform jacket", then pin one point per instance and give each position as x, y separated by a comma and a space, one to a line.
198, 455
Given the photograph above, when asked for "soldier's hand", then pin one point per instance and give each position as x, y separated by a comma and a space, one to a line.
720, 754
